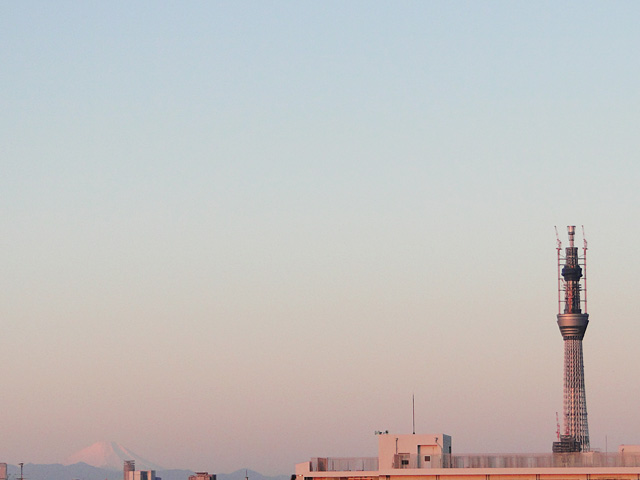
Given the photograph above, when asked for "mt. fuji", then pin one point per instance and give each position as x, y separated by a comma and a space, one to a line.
109, 455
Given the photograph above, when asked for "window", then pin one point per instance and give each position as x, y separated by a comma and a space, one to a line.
427, 458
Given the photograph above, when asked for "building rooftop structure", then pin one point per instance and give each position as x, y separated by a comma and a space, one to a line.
429, 457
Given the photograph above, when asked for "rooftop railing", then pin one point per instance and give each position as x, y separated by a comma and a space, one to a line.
344, 464
545, 460
517, 460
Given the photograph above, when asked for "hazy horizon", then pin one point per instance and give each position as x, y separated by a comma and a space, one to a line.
244, 234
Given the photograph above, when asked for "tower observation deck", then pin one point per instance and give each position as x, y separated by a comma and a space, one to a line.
573, 320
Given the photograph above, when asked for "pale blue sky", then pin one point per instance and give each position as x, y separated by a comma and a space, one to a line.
242, 234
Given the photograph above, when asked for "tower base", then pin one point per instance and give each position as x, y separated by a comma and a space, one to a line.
567, 444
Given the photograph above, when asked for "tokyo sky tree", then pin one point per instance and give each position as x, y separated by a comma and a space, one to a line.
573, 325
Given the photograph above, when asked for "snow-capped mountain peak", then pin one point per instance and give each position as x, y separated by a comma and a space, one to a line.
110, 455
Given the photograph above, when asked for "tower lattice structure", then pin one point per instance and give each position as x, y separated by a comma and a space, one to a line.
573, 325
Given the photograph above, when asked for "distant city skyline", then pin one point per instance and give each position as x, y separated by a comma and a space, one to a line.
82, 470
239, 234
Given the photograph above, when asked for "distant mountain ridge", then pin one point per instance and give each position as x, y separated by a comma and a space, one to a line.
82, 471
110, 456
105, 461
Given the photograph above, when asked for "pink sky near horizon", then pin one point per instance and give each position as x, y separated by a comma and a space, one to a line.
240, 235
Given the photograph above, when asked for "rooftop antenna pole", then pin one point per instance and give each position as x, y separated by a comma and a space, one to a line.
413, 401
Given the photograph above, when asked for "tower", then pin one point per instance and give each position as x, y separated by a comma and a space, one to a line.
573, 325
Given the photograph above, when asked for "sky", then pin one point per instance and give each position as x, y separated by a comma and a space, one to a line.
241, 234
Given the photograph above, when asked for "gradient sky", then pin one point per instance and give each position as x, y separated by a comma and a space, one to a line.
243, 234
